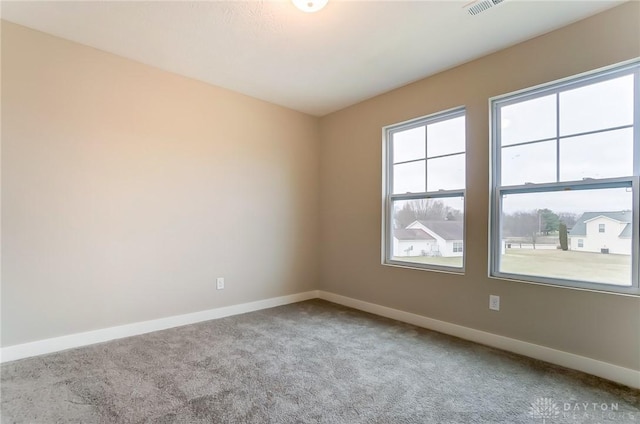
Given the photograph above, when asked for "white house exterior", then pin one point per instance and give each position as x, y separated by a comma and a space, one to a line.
413, 242
603, 232
429, 238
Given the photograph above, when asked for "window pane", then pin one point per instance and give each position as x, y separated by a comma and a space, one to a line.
530, 163
408, 145
426, 230
598, 106
532, 241
447, 173
446, 137
601, 155
528, 121
409, 177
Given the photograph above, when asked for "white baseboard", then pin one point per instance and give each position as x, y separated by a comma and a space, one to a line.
41, 347
605, 370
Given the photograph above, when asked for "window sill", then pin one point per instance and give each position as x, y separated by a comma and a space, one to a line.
407, 265
629, 292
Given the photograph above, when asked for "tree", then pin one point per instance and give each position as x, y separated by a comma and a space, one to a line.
564, 242
549, 221
405, 216
568, 218
522, 224
531, 224
425, 210
454, 215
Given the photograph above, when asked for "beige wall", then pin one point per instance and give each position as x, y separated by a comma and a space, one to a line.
600, 326
126, 190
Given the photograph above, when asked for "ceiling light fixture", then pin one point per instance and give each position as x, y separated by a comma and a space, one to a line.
310, 5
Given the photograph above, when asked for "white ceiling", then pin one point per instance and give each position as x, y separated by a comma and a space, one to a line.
315, 63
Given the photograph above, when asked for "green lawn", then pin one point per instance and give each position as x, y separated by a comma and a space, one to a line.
586, 266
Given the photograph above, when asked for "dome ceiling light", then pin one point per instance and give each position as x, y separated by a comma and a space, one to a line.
310, 6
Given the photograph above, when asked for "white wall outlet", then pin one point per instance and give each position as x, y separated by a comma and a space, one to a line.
494, 302
219, 283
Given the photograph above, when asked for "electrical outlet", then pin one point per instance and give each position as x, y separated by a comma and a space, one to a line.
494, 302
219, 283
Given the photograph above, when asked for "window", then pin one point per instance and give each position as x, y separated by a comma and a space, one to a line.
424, 192
565, 166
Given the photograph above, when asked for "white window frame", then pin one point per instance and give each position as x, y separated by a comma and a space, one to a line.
389, 197
498, 191
601, 228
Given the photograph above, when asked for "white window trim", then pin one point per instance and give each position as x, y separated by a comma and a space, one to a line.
388, 197
497, 191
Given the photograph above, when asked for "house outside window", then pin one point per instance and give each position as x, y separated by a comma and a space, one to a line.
424, 189
565, 166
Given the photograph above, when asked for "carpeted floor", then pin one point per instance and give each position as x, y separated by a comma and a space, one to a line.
310, 362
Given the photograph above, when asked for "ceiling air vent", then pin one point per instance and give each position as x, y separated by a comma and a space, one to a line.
481, 6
